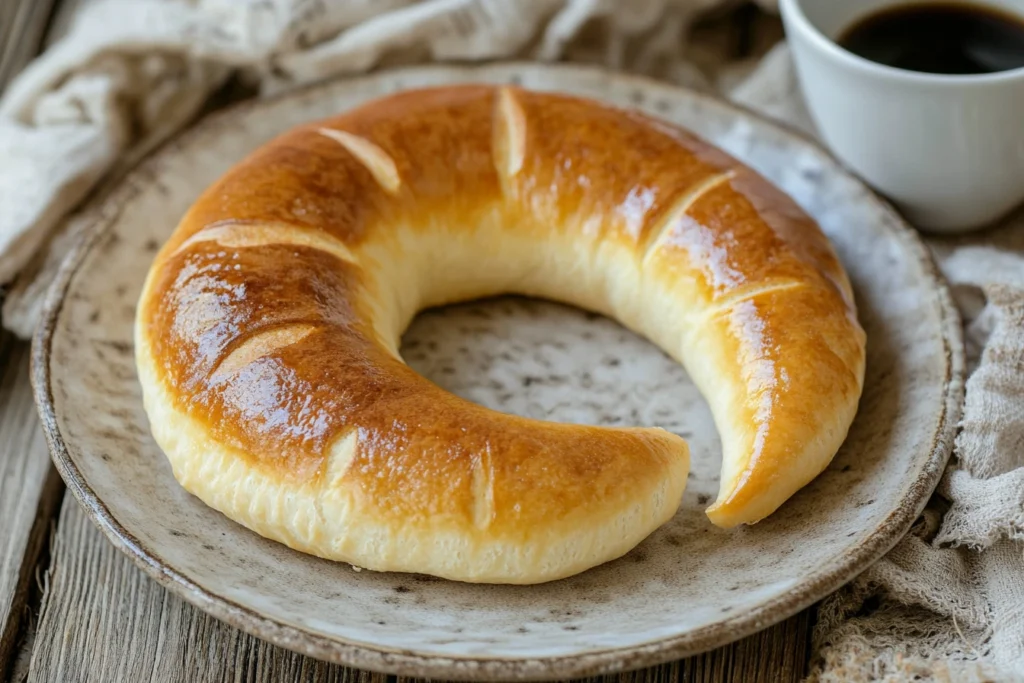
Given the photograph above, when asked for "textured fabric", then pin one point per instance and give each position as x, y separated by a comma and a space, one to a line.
946, 604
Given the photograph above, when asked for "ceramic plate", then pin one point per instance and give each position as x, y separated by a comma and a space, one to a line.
687, 588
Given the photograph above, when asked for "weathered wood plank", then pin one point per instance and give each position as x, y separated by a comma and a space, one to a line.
104, 620
30, 490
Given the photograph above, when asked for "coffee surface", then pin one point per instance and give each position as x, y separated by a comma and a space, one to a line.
940, 38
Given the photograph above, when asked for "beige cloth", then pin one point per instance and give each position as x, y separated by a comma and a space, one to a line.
947, 604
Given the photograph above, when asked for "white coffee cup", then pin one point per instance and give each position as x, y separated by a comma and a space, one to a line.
947, 149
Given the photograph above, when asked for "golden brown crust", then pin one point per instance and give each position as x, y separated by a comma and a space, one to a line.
271, 317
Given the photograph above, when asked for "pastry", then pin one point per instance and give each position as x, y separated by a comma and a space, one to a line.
267, 332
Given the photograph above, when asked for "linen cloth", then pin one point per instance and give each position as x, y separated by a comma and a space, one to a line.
947, 604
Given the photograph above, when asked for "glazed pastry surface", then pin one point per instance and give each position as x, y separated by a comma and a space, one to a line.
268, 330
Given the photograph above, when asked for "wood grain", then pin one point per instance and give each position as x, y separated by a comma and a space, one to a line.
104, 620
30, 488
29, 492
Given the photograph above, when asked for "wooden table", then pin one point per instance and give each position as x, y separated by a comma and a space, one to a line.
73, 608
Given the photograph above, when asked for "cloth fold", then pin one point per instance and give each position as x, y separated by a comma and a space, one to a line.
946, 604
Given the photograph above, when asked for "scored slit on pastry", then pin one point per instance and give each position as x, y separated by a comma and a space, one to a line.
661, 230
241, 235
338, 449
744, 292
260, 345
483, 490
340, 456
509, 134
381, 166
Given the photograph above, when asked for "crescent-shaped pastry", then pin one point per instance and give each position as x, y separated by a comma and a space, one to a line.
268, 329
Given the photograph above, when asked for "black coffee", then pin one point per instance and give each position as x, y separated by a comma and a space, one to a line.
940, 38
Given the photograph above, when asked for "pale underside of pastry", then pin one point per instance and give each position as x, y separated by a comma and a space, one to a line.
268, 329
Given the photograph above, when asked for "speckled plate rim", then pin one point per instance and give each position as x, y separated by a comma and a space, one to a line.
829, 577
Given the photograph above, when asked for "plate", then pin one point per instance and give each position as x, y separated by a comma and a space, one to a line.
689, 587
